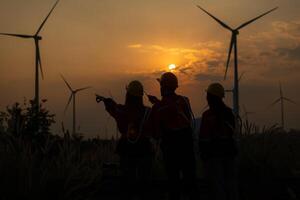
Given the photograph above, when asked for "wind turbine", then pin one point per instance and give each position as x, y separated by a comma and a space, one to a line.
281, 99
38, 63
233, 44
73, 97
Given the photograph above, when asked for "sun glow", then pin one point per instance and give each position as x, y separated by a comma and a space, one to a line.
172, 67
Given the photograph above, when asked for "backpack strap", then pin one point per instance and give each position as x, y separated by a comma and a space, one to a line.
145, 118
190, 111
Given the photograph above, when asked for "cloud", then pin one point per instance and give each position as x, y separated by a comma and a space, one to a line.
185, 70
287, 29
290, 53
200, 57
134, 46
214, 63
208, 77
264, 55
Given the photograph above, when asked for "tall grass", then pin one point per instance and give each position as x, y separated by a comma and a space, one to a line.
35, 164
61, 168
48, 166
269, 162
269, 151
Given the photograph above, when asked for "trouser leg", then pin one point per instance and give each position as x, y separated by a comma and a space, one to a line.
128, 179
231, 179
188, 163
144, 177
189, 175
215, 176
173, 175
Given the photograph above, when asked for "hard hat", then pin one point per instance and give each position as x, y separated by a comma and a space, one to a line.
168, 79
216, 89
135, 88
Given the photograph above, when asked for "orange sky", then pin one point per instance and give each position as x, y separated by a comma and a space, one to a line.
107, 43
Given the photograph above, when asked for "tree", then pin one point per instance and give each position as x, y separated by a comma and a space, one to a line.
25, 121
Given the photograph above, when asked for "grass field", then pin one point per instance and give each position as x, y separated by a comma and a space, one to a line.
49, 166
71, 168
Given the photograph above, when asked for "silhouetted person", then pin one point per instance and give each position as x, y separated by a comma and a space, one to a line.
172, 119
134, 147
217, 145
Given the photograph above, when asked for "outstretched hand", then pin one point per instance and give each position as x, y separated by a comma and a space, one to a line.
99, 98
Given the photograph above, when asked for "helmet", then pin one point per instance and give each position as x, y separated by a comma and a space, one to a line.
216, 89
135, 88
169, 79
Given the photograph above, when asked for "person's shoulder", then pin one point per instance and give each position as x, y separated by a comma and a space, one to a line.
183, 98
206, 113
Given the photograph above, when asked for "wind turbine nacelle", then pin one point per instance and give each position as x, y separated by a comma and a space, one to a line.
38, 37
236, 32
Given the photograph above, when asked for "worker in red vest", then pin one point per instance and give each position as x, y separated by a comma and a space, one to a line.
172, 120
217, 145
134, 147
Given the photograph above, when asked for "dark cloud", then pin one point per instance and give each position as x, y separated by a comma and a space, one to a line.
157, 74
290, 53
214, 63
290, 28
197, 64
185, 70
208, 77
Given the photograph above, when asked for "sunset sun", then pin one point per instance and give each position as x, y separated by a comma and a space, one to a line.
172, 67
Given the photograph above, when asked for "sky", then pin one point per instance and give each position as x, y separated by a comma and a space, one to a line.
107, 43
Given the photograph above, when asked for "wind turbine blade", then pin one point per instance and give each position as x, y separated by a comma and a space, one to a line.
17, 35
41, 26
39, 58
280, 89
219, 21
80, 89
241, 76
276, 101
66, 83
229, 55
69, 101
256, 18
289, 100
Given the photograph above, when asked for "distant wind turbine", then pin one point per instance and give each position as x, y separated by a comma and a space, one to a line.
233, 44
281, 99
38, 63
73, 97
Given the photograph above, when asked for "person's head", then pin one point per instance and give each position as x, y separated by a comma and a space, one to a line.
134, 94
215, 94
168, 83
